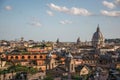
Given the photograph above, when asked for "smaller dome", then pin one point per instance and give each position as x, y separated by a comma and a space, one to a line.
49, 55
69, 55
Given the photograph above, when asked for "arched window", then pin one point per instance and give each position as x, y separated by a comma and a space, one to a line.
23, 57
11, 57
29, 57
41, 56
35, 57
16, 57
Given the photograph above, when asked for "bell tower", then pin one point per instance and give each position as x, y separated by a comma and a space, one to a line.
50, 62
70, 63
57, 40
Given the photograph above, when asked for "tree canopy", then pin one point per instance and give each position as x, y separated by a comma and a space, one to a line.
19, 68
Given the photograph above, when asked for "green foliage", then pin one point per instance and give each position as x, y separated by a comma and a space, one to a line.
76, 77
48, 78
65, 77
33, 70
85, 77
3, 71
19, 68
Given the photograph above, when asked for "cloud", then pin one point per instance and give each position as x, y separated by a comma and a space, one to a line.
65, 22
38, 24
109, 5
110, 13
117, 2
73, 10
50, 13
35, 22
8, 8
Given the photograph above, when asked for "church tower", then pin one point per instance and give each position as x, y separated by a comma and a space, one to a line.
70, 63
50, 62
78, 41
22, 39
57, 40
98, 39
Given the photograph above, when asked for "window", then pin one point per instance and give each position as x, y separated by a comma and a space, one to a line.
16, 57
23, 57
72, 67
11, 57
41, 57
29, 57
35, 57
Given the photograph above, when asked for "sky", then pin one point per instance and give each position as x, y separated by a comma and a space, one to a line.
64, 19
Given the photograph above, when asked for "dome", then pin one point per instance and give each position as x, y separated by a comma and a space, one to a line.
97, 39
69, 55
49, 55
97, 35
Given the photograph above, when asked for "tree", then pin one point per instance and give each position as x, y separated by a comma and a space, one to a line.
48, 78
20, 68
32, 70
3, 71
76, 77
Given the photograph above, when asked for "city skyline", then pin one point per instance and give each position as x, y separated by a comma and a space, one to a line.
51, 19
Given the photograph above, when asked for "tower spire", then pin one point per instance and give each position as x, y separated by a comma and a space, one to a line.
78, 40
98, 29
57, 40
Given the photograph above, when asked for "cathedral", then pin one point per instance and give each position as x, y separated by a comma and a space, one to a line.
98, 39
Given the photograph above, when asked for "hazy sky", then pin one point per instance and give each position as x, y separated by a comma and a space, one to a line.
63, 19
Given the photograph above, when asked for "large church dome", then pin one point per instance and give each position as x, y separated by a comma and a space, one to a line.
98, 39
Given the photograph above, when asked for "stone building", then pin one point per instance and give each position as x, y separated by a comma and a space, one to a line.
70, 63
50, 62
